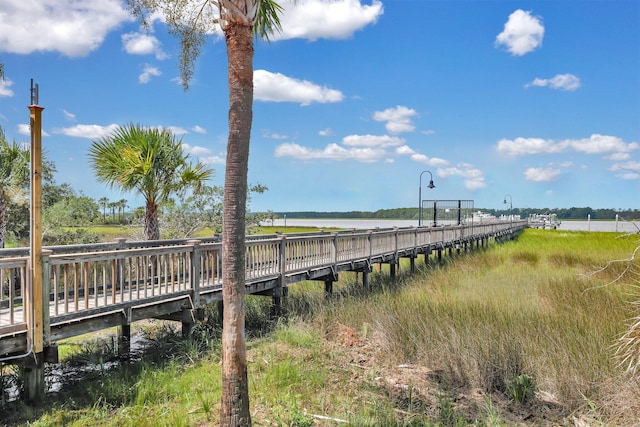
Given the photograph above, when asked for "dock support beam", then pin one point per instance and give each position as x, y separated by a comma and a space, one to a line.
34, 384
276, 307
124, 334
328, 288
124, 340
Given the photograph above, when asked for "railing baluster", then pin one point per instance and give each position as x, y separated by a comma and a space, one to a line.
85, 279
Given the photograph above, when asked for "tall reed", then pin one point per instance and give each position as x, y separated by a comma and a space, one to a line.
529, 307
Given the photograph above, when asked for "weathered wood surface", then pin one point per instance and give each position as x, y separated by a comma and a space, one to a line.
92, 287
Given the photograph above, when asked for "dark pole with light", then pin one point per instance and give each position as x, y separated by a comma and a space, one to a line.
510, 205
431, 185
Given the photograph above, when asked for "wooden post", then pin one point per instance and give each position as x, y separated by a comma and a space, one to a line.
220, 305
34, 375
124, 334
328, 288
277, 292
365, 280
188, 317
50, 350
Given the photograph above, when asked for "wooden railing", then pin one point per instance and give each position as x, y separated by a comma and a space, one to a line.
87, 282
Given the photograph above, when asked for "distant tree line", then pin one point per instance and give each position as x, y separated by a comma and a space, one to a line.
412, 213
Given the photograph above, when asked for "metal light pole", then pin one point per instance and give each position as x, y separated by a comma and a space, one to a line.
510, 206
431, 185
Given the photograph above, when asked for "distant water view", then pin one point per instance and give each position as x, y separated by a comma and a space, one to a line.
620, 226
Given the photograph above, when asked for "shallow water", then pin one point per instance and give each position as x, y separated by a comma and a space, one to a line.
613, 226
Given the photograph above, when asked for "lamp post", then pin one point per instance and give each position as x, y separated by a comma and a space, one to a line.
510, 205
431, 185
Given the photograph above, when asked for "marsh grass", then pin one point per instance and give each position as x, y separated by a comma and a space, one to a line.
468, 342
528, 308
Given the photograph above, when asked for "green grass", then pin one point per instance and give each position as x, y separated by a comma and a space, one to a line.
108, 233
521, 333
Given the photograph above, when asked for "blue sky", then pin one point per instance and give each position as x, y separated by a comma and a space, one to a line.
539, 100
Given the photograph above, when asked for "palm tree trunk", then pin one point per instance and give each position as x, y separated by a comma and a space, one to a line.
234, 409
3, 219
151, 224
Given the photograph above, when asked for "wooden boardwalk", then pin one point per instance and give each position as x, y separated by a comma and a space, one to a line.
93, 287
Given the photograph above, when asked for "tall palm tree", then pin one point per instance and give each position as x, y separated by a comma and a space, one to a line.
149, 161
122, 205
14, 177
113, 206
103, 202
240, 20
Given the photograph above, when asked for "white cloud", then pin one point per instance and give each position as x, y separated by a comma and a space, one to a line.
595, 144
523, 146
330, 152
4, 88
362, 148
405, 150
617, 157
143, 44
541, 175
176, 130
203, 154
274, 135
276, 87
196, 150
25, 129
380, 141
398, 119
429, 161
522, 33
436, 162
87, 131
71, 27
598, 144
198, 129
628, 170
177, 81
69, 116
326, 132
326, 19
473, 177
147, 72
567, 82
212, 160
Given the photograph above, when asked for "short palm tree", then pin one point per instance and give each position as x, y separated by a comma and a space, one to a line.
149, 161
14, 177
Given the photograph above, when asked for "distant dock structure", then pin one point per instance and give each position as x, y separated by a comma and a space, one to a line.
544, 221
